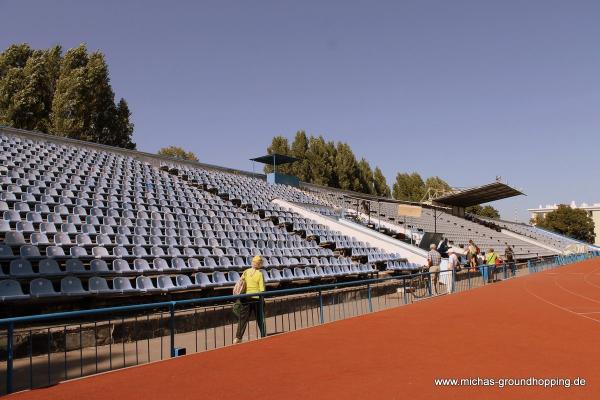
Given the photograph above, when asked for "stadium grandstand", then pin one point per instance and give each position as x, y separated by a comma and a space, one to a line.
86, 226
80, 219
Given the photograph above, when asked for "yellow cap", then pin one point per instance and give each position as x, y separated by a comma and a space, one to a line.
257, 259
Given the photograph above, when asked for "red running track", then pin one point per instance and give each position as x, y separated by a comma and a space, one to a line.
545, 325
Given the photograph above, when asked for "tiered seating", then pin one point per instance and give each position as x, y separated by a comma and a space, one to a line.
551, 239
457, 230
81, 222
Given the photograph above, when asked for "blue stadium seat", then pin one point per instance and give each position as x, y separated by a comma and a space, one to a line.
21, 268
6, 251
140, 264
41, 287
55, 251
184, 281
38, 239
203, 280
121, 266
14, 238
11, 290
77, 251
71, 286
220, 279
233, 276
145, 284
99, 267
122, 285
49, 267
98, 285
288, 275
275, 275
165, 283
75, 266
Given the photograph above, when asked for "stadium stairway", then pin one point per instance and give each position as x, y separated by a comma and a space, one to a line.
375, 239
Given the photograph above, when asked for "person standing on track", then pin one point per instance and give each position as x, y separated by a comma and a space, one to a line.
255, 283
434, 260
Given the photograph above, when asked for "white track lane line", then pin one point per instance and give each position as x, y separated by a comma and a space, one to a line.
556, 305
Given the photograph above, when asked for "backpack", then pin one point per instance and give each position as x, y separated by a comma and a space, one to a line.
240, 285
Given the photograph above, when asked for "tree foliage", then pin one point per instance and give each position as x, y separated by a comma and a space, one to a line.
328, 163
380, 185
177, 152
409, 187
66, 95
485, 211
366, 179
436, 183
279, 145
299, 149
572, 222
346, 168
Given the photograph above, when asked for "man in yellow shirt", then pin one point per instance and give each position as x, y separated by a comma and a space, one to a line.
490, 259
255, 283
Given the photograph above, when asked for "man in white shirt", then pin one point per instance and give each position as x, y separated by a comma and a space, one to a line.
453, 264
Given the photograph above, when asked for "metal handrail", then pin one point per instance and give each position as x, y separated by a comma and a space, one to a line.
9, 323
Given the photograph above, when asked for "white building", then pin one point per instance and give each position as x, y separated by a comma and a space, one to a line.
592, 210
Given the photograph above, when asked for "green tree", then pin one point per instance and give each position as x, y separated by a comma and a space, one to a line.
279, 145
436, 183
15, 56
366, 179
408, 187
124, 126
572, 222
380, 185
68, 96
101, 104
177, 152
299, 149
331, 152
70, 112
27, 86
485, 211
12, 81
318, 157
346, 168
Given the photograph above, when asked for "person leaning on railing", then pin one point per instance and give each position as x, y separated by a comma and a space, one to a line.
255, 283
509, 258
472, 253
491, 258
453, 265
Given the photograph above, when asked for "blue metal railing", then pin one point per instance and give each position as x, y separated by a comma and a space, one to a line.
413, 287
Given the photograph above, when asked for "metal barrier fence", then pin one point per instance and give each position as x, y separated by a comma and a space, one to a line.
41, 350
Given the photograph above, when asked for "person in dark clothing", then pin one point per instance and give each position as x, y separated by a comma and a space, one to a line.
509, 258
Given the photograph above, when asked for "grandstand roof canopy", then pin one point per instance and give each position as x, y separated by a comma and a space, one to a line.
478, 195
275, 159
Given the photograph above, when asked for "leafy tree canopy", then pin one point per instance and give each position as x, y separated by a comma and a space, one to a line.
177, 152
328, 163
572, 222
485, 211
66, 95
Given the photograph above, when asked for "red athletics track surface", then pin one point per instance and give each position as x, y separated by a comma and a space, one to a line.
543, 325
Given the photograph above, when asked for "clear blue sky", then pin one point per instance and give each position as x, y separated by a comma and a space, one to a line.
466, 90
